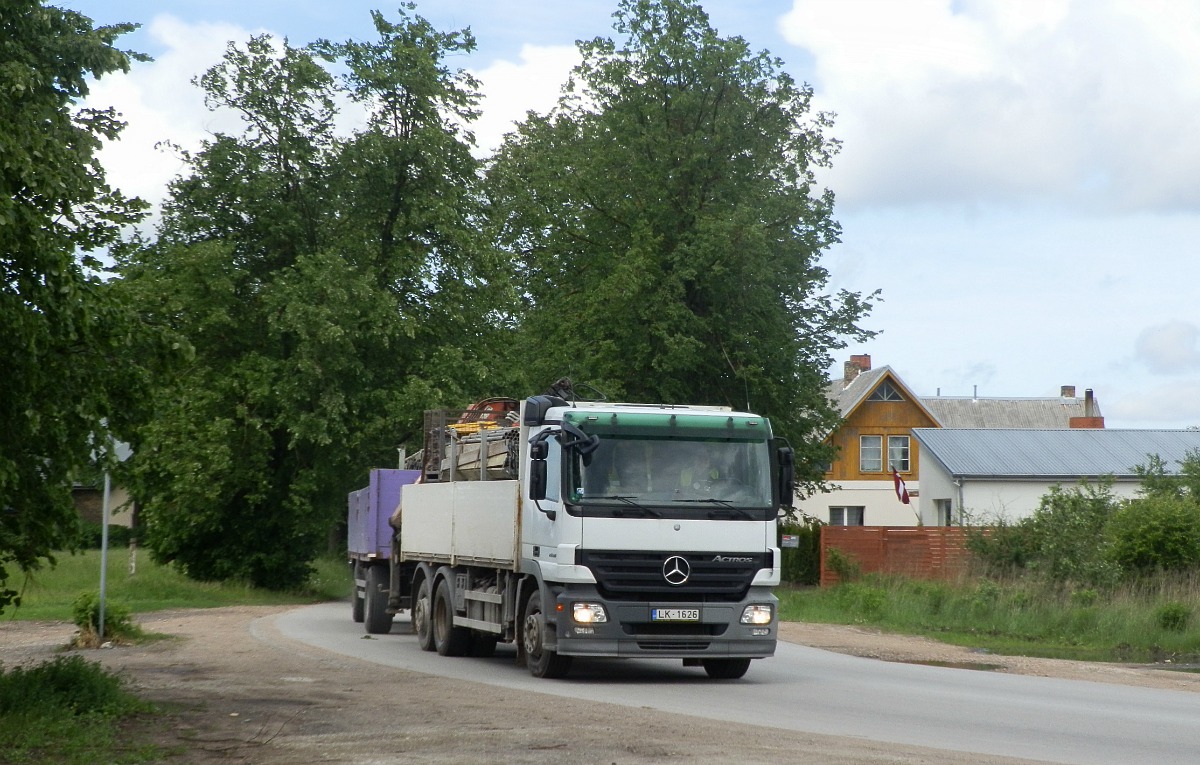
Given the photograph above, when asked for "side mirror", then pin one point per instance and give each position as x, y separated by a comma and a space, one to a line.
537, 479
787, 476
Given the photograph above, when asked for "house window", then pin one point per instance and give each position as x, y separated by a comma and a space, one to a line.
846, 516
944, 513
870, 454
898, 453
885, 392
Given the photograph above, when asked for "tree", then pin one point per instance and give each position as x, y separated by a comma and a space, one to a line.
63, 388
321, 281
667, 229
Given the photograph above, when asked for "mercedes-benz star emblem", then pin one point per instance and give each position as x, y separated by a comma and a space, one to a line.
676, 570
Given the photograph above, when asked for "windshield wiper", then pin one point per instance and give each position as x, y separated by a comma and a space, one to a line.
723, 503
629, 501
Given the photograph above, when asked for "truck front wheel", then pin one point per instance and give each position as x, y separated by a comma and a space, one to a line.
422, 611
448, 639
542, 661
379, 621
726, 669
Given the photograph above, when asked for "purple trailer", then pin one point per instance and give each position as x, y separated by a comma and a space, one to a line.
369, 545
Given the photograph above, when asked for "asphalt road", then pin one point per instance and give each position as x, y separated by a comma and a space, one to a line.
809, 690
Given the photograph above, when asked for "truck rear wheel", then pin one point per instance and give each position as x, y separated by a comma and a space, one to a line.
448, 639
378, 620
726, 669
542, 661
357, 601
422, 611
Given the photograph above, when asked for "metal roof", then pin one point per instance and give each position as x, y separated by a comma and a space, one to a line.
969, 412
1000, 452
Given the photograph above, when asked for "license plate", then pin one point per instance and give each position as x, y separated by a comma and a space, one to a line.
675, 615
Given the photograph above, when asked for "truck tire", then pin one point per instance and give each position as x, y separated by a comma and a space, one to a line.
541, 661
447, 639
357, 601
726, 669
377, 618
422, 616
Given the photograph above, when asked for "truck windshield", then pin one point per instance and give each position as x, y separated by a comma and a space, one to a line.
647, 470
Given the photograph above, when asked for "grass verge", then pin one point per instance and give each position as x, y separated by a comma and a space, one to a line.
1147, 621
50, 594
68, 711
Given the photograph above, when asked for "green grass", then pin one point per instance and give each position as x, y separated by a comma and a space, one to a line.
49, 593
68, 711
1153, 620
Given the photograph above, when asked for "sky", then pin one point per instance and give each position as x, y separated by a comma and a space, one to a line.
1020, 178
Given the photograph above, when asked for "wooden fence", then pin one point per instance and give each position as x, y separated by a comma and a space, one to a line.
934, 552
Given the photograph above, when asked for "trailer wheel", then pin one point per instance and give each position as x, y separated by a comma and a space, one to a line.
422, 611
357, 601
447, 639
542, 662
379, 621
726, 669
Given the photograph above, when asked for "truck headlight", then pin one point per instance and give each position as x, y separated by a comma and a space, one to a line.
588, 613
757, 614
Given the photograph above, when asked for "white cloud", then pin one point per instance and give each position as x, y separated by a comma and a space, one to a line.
1170, 348
159, 103
1144, 407
941, 100
510, 89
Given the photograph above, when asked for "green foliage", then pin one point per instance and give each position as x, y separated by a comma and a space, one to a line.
71, 708
118, 622
801, 564
1063, 541
51, 594
678, 259
68, 683
91, 534
1142, 621
65, 339
1173, 617
1181, 484
1158, 532
324, 286
845, 565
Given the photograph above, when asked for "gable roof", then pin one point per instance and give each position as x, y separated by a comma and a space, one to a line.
974, 412
848, 398
1054, 454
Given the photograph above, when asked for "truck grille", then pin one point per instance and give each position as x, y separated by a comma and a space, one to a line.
640, 576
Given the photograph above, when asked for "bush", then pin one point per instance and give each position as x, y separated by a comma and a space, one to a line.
802, 564
1061, 541
846, 566
1156, 533
91, 534
118, 623
67, 683
1173, 617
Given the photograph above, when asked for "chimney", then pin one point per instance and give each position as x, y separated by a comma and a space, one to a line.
1068, 391
857, 364
1089, 419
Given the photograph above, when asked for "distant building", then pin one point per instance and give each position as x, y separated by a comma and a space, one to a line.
879, 415
985, 474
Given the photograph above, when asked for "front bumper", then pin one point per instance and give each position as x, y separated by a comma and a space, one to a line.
630, 630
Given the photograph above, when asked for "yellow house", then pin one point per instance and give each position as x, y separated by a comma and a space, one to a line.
875, 443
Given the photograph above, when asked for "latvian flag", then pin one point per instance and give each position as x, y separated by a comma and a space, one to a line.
901, 489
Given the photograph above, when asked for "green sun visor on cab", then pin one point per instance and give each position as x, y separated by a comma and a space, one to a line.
665, 424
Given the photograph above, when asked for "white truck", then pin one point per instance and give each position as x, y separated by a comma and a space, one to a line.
595, 529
